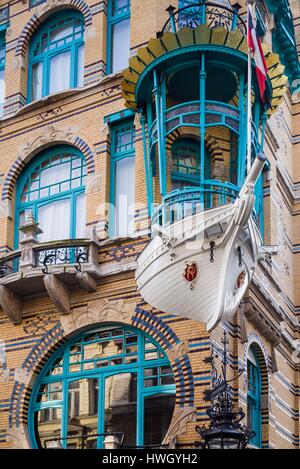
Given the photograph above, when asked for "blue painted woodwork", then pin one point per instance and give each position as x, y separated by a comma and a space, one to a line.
118, 10
253, 400
32, 193
122, 146
132, 351
44, 48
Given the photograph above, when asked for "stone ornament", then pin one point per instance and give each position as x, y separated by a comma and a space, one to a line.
178, 350
181, 417
48, 135
6, 208
93, 183
98, 311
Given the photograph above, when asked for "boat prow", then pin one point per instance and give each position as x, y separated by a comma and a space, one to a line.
201, 266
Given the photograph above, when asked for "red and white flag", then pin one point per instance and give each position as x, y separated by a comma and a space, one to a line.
254, 45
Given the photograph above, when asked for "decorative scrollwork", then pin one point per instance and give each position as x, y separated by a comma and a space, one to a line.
212, 14
62, 255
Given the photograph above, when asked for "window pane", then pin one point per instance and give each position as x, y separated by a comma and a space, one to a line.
55, 174
124, 196
54, 220
120, 406
80, 216
61, 32
48, 426
120, 45
80, 67
157, 418
59, 76
36, 83
83, 413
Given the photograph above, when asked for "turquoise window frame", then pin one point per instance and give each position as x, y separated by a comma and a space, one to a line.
117, 153
34, 205
259, 203
46, 57
101, 374
2, 48
114, 15
254, 400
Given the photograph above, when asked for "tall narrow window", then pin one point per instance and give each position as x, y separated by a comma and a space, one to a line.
118, 35
122, 193
56, 56
52, 188
254, 397
2, 73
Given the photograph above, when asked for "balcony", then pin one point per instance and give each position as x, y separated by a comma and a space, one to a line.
57, 268
211, 14
188, 114
189, 201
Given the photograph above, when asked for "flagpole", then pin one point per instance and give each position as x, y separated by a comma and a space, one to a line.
249, 103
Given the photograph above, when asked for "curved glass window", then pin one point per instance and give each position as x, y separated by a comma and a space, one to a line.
185, 170
111, 379
56, 60
52, 189
254, 397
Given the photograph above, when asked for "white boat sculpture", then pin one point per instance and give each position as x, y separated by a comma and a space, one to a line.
201, 266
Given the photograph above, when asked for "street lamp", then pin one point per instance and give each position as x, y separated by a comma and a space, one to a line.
225, 430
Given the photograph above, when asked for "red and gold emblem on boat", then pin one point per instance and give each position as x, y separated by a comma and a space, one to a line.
241, 279
190, 272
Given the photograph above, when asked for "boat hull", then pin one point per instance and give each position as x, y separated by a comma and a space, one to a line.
221, 273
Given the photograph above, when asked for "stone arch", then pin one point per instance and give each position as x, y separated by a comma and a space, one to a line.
211, 144
255, 343
50, 136
42, 12
97, 312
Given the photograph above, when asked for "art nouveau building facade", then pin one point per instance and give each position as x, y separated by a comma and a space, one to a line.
87, 151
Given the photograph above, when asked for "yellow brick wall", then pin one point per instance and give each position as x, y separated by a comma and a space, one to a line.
82, 114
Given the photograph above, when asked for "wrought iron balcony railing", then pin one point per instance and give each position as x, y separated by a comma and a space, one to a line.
209, 13
67, 252
10, 264
182, 203
72, 253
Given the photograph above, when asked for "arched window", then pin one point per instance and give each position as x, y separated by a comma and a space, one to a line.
52, 188
56, 51
110, 379
254, 397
